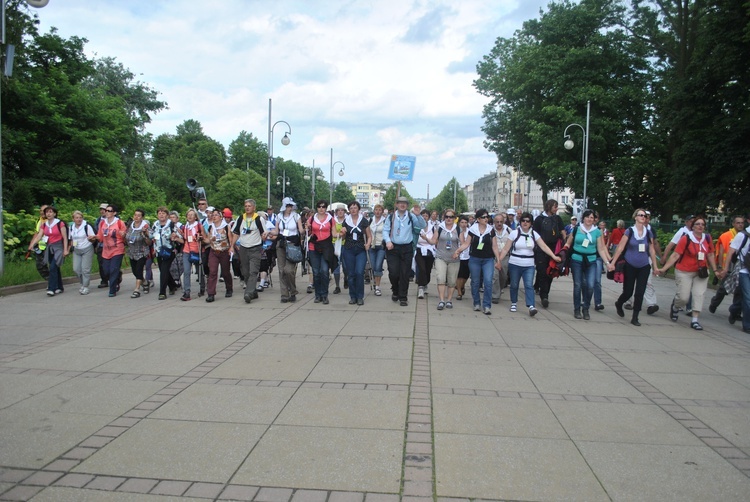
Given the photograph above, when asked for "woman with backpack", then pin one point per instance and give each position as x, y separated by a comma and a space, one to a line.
691, 257
165, 236
356, 231
320, 252
583, 244
139, 247
522, 244
288, 231
446, 239
111, 234
218, 238
82, 240
483, 258
636, 247
55, 235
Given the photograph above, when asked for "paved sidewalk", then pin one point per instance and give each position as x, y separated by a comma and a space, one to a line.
119, 399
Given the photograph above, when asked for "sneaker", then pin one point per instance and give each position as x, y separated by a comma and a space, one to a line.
58, 291
628, 306
309, 289
209, 298
496, 300
599, 307
487, 311
248, 296
652, 309
449, 305
545, 303
102, 285
228, 294
712, 307
50, 292
243, 284
360, 301
221, 279
477, 308
292, 298
185, 296
316, 300
420, 294
377, 291
441, 305
259, 289
394, 298
80, 289
85, 291
404, 303
337, 290
532, 311
325, 300
513, 307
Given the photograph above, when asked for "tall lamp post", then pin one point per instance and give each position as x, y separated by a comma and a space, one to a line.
569, 144
284, 141
312, 177
341, 173
7, 72
454, 195
284, 182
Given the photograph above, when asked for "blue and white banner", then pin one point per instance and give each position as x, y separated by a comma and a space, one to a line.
402, 168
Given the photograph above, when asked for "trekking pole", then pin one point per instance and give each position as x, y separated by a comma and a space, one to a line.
371, 274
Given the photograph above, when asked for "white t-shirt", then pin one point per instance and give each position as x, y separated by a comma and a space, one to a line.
736, 243
522, 250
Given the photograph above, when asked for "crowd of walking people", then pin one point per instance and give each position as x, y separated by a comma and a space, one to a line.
492, 251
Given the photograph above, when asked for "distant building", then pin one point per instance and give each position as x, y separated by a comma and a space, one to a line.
368, 194
507, 188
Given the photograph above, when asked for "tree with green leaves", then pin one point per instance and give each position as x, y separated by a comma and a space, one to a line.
248, 152
702, 98
389, 199
540, 80
342, 193
444, 200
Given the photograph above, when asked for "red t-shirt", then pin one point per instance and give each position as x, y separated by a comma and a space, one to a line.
688, 251
616, 235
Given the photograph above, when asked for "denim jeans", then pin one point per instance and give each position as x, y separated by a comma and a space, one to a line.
355, 260
112, 271
743, 305
319, 267
481, 267
598, 281
54, 281
584, 281
377, 257
516, 272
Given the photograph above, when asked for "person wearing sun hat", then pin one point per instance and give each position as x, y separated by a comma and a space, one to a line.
288, 230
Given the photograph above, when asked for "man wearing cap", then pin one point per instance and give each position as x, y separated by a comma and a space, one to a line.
569, 227
248, 234
398, 235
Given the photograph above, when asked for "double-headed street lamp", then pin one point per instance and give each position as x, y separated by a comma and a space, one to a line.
569, 144
284, 141
341, 173
312, 177
284, 182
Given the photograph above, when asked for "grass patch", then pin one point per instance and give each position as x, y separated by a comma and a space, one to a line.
24, 272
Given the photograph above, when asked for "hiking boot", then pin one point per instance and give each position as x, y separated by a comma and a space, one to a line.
577, 314
586, 316
618, 307
634, 320
652, 309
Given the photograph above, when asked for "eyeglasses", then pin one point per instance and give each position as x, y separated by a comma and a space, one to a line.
640, 215
525, 220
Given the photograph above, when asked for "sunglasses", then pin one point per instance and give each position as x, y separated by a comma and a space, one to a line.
484, 216
525, 220
450, 215
110, 210
640, 215
322, 206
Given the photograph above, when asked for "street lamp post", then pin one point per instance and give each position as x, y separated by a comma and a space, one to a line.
341, 173
284, 182
312, 177
284, 141
454, 195
569, 144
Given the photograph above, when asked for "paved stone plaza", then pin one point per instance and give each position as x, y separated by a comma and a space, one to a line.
119, 399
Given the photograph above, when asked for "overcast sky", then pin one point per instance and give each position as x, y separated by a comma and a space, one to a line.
368, 78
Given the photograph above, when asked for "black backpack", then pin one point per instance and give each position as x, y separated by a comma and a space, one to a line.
548, 229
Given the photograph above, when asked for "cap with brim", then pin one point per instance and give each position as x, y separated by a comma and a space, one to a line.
402, 199
210, 208
103, 206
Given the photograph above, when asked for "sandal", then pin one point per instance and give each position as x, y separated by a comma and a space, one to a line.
377, 291
514, 308
146, 289
696, 326
673, 313
441, 305
135, 294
